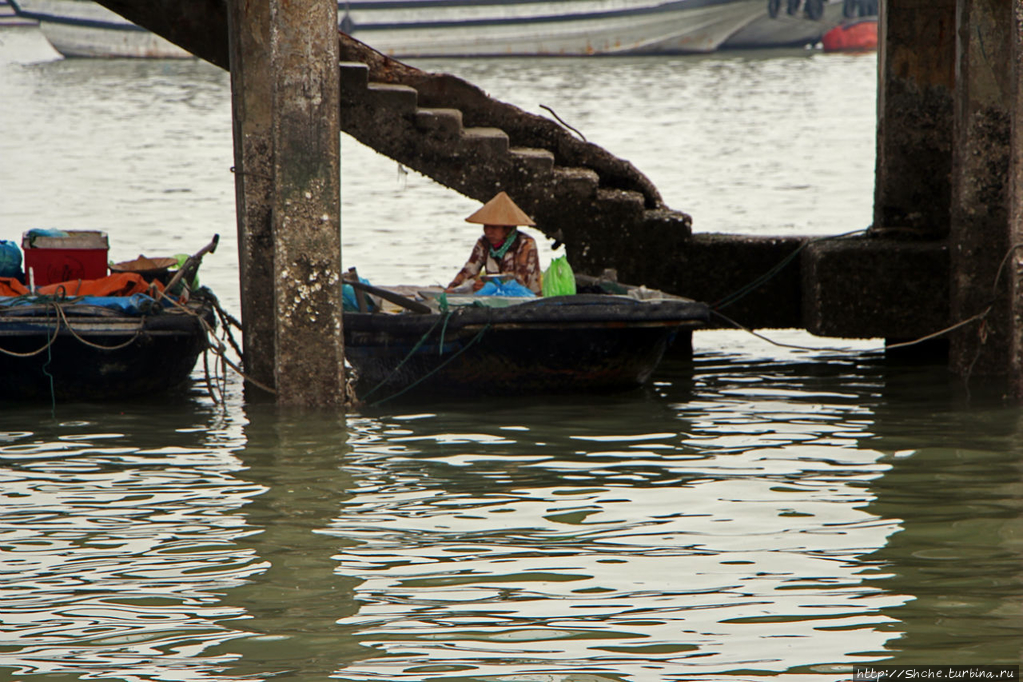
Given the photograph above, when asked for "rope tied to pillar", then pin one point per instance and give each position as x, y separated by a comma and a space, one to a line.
773, 272
980, 316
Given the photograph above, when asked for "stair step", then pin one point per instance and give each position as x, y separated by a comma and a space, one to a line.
623, 207
634, 200
536, 161
354, 77
669, 221
437, 142
579, 181
493, 140
399, 98
446, 122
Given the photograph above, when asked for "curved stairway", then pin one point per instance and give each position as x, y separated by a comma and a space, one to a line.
605, 211
443, 127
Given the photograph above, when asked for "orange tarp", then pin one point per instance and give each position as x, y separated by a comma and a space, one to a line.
120, 284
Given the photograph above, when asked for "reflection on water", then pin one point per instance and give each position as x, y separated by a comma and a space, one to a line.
756, 513
738, 519
119, 531
955, 482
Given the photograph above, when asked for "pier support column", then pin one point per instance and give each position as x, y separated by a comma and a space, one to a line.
309, 362
251, 91
982, 192
1014, 268
916, 81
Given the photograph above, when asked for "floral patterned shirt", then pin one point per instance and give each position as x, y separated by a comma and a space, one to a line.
521, 260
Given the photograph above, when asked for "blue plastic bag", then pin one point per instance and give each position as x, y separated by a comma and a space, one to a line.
10, 259
508, 288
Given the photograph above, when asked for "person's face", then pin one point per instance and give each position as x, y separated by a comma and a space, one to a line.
495, 234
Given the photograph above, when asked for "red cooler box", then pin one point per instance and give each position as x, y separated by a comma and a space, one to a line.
72, 255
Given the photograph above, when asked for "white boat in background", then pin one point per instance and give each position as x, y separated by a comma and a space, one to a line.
447, 28
82, 28
491, 28
8, 17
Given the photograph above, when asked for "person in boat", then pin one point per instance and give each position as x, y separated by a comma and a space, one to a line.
502, 250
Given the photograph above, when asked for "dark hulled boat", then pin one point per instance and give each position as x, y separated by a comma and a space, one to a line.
99, 348
564, 343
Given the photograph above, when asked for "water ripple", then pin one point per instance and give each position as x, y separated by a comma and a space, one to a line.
111, 555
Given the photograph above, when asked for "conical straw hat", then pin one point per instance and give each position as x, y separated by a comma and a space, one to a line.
500, 210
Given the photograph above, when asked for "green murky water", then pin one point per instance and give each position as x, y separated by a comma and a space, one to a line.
760, 512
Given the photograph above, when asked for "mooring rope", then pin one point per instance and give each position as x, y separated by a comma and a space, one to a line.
980, 316
46, 346
412, 352
435, 369
218, 348
837, 351
62, 321
63, 315
773, 272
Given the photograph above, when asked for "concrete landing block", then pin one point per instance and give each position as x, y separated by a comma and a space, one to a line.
869, 288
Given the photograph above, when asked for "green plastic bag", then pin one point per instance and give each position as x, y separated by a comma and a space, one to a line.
558, 279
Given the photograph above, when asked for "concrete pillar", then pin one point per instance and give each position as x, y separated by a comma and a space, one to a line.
981, 189
307, 204
916, 77
1014, 269
249, 37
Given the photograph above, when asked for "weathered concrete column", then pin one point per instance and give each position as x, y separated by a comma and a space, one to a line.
980, 231
249, 36
916, 79
1015, 270
307, 203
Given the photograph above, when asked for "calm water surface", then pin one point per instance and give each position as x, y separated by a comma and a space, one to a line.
758, 513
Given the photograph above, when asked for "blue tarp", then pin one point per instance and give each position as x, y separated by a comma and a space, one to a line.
348, 300
136, 304
508, 288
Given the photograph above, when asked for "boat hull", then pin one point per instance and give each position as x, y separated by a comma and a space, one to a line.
81, 28
785, 30
10, 19
854, 36
447, 28
518, 28
92, 354
547, 347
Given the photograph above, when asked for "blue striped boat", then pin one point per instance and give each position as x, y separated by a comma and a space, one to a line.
465, 28
8, 17
449, 28
82, 28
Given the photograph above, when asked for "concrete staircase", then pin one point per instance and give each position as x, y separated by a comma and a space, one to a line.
600, 206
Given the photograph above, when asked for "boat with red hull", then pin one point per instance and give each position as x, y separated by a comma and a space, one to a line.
852, 36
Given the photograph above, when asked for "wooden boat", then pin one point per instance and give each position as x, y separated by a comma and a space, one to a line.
100, 337
556, 344
97, 348
447, 28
